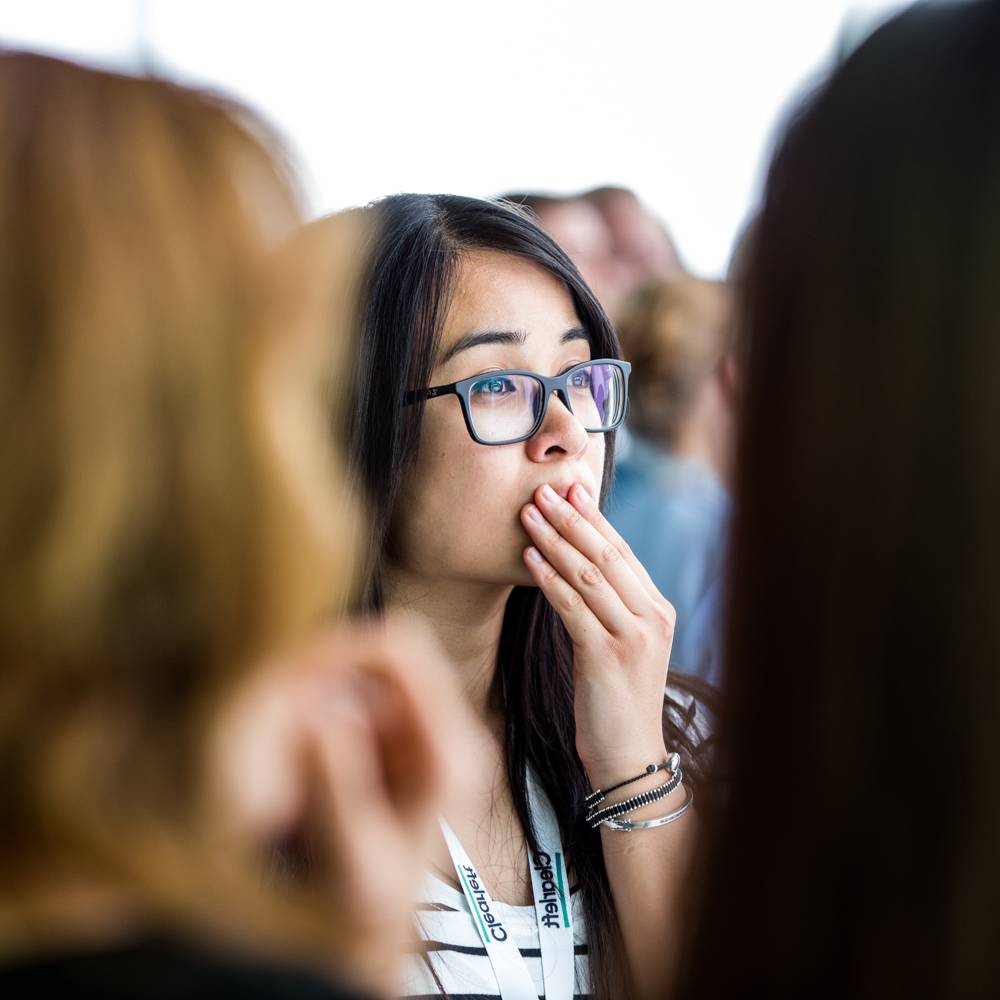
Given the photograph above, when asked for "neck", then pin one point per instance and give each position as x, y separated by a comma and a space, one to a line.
465, 617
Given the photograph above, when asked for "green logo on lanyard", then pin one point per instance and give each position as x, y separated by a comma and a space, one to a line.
489, 926
551, 879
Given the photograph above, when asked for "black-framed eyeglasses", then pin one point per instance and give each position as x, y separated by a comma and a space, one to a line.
509, 406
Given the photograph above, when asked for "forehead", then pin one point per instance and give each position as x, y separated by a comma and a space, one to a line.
501, 291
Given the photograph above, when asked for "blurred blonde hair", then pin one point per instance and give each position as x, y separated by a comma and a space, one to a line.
675, 333
166, 484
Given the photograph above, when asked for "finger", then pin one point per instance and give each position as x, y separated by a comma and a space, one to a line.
413, 758
581, 623
253, 766
579, 527
345, 788
579, 572
587, 507
404, 683
438, 700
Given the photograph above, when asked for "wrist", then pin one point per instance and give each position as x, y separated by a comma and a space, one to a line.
617, 764
636, 802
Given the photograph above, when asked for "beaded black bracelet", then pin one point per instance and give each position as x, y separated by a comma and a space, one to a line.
636, 802
625, 825
598, 795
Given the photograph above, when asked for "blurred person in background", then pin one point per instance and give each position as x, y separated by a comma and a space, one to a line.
671, 500
488, 391
613, 239
858, 856
579, 228
171, 722
641, 246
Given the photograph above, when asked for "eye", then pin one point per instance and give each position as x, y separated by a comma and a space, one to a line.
494, 387
580, 379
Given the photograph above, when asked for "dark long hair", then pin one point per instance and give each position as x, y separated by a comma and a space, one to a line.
859, 854
418, 241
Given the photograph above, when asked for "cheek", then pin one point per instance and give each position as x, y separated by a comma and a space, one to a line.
459, 511
462, 517
462, 523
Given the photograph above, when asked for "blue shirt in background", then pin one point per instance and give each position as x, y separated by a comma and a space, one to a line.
674, 513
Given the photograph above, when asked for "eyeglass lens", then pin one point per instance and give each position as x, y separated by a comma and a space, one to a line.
506, 407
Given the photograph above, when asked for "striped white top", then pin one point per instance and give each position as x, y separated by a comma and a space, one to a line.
456, 954
447, 927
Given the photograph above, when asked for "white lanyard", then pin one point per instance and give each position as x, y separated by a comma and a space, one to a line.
550, 888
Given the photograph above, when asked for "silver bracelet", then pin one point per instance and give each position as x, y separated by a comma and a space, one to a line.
625, 825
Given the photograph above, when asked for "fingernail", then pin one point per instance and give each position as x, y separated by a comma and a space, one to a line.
533, 554
582, 495
549, 494
534, 514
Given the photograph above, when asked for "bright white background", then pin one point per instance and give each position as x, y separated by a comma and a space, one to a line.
677, 99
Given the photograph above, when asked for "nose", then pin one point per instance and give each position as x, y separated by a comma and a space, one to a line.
560, 436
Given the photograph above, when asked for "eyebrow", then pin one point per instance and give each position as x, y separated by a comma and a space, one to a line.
508, 337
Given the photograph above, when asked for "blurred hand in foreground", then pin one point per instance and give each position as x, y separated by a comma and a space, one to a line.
336, 762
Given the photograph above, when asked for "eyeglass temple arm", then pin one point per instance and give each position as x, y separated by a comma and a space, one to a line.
414, 395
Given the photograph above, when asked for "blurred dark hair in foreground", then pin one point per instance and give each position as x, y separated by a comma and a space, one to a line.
859, 857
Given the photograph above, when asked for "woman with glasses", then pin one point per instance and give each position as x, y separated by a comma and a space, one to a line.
488, 391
